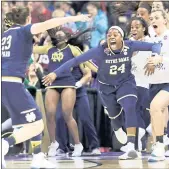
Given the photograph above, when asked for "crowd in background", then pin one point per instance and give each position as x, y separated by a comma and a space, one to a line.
104, 14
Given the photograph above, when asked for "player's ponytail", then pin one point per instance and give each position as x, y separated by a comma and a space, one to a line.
20, 15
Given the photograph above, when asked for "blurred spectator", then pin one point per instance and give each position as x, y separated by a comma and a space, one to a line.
29, 4
32, 81
53, 5
60, 13
5, 7
144, 11
40, 13
160, 5
79, 5
67, 8
99, 23
120, 12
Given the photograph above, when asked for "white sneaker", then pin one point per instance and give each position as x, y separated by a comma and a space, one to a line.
141, 133
40, 161
158, 153
52, 149
166, 140
167, 153
121, 136
131, 154
127, 147
149, 129
60, 152
5, 149
78, 148
96, 151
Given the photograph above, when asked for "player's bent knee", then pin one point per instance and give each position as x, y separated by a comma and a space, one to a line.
154, 108
67, 117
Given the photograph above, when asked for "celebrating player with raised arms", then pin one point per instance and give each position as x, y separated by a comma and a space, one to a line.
138, 30
159, 88
17, 43
116, 82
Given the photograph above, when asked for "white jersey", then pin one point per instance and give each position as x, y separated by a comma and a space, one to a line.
151, 31
139, 60
161, 74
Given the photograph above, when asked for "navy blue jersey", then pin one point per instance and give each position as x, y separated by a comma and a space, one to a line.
17, 43
58, 57
113, 68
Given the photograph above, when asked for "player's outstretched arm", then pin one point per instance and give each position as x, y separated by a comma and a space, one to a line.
92, 53
146, 46
52, 23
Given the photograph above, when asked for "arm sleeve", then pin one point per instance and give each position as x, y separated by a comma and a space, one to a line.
93, 53
146, 46
41, 49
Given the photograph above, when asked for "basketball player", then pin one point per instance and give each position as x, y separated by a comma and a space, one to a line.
116, 82
64, 87
138, 30
159, 89
144, 11
82, 106
16, 51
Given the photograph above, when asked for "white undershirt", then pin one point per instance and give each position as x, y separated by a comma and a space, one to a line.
139, 60
161, 74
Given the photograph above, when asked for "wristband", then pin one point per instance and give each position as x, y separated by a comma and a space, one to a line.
78, 84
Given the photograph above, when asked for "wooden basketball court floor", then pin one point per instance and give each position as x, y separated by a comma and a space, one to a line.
105, 160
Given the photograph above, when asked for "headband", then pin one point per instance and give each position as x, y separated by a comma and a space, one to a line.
119, 29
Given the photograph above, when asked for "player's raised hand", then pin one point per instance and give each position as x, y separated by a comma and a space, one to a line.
48, 79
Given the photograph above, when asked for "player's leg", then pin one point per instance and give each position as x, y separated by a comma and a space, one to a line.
165, 137
68, 97
36, 143
167, 152
157, 107
61, 137
7, 124
26, 118
127, 98
129, 106
142, 94
51, 101
114, 112
83, 109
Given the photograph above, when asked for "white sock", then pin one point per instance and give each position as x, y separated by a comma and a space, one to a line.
6, 125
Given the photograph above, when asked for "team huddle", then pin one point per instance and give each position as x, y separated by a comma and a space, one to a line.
132, 78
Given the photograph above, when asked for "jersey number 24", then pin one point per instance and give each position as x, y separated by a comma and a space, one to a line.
114, 69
